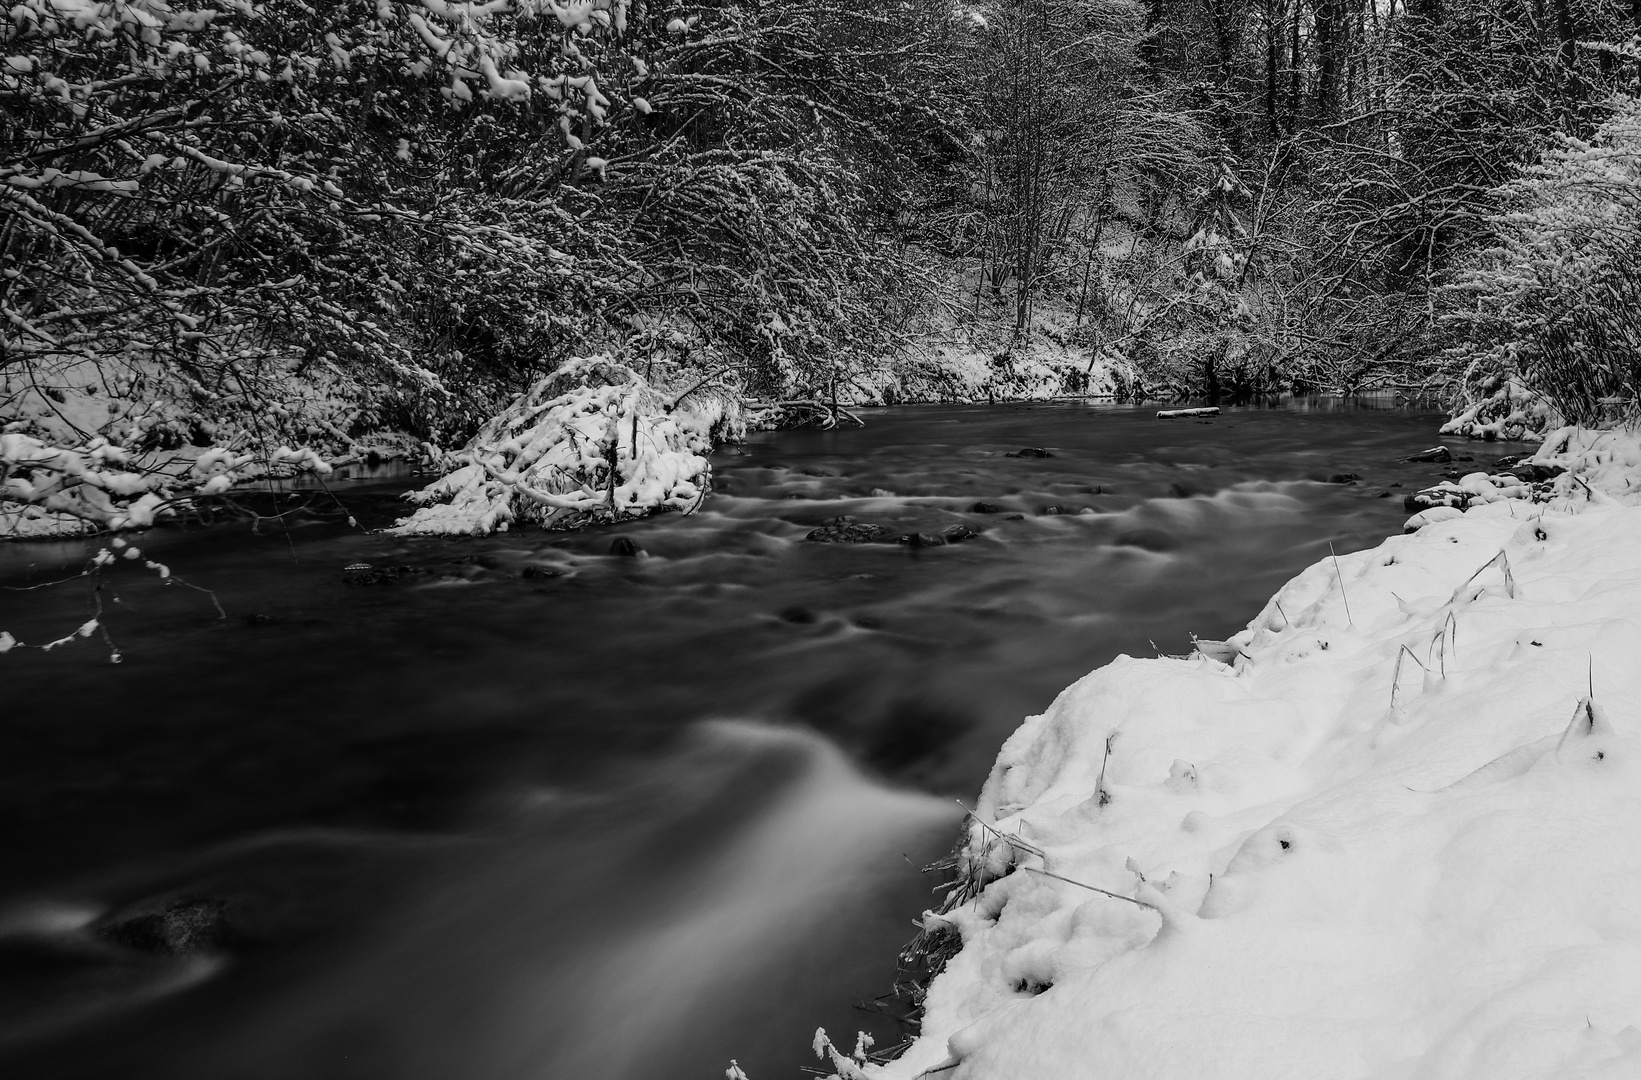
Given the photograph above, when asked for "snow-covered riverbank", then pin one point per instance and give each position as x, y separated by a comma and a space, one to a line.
1397, 834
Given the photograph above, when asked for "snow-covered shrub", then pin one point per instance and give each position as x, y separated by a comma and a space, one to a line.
1505, 409
592, 443
1553, 300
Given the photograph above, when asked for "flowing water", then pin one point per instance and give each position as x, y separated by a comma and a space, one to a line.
616, 817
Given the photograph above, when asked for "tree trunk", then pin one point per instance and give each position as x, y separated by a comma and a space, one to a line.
1273, 54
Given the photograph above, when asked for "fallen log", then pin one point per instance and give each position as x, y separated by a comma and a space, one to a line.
1175, 414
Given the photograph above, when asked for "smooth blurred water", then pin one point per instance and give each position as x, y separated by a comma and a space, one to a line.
628, 821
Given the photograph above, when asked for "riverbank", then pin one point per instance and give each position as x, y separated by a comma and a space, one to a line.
1391, 829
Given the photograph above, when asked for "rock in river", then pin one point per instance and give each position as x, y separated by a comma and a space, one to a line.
846, 530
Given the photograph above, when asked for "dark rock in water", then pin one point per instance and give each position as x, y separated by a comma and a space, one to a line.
1015, 517
1397, 484
366, 574
985, 508
1031, 451
1382, 495
1343, 478
1441, 455
184, 927
920, 540
1440, 495
625, 545
800, 615
543, 571
1178, 491
1508, 461
1053, 510
956, 534
1536, 474
846, 530
256, 618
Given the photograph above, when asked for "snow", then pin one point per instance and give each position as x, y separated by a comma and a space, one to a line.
592, 442
1507, 411
1396, 835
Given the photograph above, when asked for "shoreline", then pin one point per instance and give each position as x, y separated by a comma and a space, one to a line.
1390, 837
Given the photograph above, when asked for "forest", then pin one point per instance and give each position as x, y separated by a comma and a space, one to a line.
249, 238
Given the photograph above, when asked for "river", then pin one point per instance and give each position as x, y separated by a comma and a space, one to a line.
624, 817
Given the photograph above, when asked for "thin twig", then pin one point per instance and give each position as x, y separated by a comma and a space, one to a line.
1090, 888
1099, 787
1340, 575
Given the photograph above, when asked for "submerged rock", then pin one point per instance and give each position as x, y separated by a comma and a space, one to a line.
846, 530
1441, 455
366, 574
1343, 478
184, 927
985, 508
1031, 452
919, 540
626, 546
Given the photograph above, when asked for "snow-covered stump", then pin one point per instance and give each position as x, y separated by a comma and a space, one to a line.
592, 443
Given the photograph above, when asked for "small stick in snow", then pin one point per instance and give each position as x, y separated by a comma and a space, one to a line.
1100, 793
1337, 573
1396, 676
1090, 888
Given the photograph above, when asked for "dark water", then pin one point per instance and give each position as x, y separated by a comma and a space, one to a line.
628, 821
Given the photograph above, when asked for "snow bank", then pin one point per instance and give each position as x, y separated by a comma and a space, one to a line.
590, 443
1395, 832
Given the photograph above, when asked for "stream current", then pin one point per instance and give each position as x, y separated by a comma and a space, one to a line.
621, 817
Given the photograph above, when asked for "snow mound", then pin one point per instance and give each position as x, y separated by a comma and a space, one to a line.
1395, 832
1601, 465
590, 443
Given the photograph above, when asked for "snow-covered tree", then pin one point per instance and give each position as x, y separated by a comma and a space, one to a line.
1552, 299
